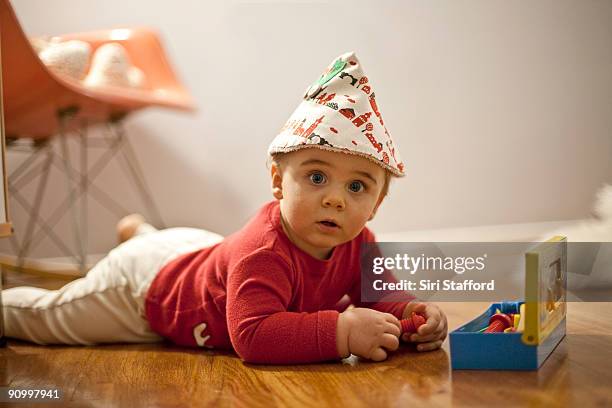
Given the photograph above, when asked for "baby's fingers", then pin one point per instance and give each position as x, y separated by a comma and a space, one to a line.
378, 354
433, 320
417, 307
432, 324
392, 319
389, 342
439, 331
393, 329
430, 346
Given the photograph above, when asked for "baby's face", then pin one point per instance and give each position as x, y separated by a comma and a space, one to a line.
325, 197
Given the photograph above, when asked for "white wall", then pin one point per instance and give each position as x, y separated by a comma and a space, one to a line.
502, 110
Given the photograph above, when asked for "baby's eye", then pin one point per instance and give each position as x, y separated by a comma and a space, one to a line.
317, 178
356, 186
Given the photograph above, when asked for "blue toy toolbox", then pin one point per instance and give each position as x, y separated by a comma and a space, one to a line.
543, 318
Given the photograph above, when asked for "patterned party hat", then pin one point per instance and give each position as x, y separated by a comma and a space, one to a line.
339, 113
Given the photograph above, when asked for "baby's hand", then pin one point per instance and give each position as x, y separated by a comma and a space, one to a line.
367, 333
430, 335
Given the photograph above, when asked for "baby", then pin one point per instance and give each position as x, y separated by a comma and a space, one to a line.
277, 291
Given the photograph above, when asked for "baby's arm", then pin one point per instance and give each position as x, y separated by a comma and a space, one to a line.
259, 291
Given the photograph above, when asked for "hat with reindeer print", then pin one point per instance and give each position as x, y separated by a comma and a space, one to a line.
339, 113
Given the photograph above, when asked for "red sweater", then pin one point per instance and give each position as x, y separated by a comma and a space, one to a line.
259, 293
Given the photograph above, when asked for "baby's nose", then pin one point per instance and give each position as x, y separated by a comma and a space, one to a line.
334, 200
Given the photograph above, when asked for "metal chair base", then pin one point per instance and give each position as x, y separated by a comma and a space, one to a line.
80, 183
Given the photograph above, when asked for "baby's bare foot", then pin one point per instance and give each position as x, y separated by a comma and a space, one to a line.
127, 226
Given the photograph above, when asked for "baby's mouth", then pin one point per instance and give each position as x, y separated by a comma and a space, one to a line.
329, 223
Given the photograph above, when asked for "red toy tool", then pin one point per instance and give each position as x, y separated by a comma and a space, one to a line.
498, 323
411, 324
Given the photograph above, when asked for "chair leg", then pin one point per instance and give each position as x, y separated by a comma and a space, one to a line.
14, 186
35, 210
79, 186
70, 191
133, 169
83, 192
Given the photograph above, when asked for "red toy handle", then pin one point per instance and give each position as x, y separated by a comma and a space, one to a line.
498, 322
411, 324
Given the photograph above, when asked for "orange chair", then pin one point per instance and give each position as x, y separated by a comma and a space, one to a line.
40, 105
34, 95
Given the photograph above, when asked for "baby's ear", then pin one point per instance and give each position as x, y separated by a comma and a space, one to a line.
277, 181
372, 215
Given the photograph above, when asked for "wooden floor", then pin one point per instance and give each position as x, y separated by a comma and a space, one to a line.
578, 373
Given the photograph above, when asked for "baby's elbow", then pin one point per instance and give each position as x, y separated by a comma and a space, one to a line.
249, 354
245, 345
249, 357
253, 342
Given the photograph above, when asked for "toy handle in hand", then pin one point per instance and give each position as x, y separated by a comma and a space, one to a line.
411, 324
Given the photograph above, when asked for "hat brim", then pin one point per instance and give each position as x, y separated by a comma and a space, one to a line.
278, 150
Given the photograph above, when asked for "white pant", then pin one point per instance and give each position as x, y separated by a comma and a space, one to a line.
107, 305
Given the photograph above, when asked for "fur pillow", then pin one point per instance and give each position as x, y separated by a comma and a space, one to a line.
69, 58
111, 66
